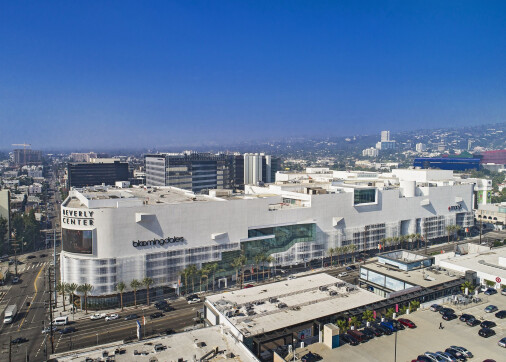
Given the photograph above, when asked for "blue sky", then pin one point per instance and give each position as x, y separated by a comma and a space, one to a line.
146, 73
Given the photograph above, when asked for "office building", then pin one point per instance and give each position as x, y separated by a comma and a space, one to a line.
447, 163
81, 174
114, 234
497, 157
82, 157
370, 152
385, 136
27, 157
198, 172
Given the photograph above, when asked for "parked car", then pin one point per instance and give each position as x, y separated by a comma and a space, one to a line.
407, 323
311, 357
422, 358
343, 274
369, 332
434, 357
385, 330
112, 317
487, 324
446, 356
160, 304
169, 331
449, 316
486, 332
348, 268
30, 256
435, 307
98, 316
388, 325
19, 340
67, 330
349, 339
503, 291
194, 300
501, 314
156, 315
191, 296
168, 308
490, 291
465, 317
456, 354
42, 255
290, 277
491, 309
377, 332
502, 342
463, 350
131, 316
472, 322
398, 326
15, 280
48, 329
358, 335
247, 286
446, 310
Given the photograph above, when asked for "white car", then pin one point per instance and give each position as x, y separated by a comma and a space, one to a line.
343, 274
194, 300
291, 277
97, 316
112, 317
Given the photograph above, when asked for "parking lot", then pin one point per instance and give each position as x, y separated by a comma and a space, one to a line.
427, 337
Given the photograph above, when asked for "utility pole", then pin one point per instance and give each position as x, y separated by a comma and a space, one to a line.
50, 311
10, 348
481, 227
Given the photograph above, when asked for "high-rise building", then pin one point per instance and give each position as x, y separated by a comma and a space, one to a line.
5, 209
370, 152
82, 157
385, 136
420, 147
204, 171
81, 174
27, 157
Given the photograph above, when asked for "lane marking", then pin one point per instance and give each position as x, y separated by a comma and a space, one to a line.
34, 296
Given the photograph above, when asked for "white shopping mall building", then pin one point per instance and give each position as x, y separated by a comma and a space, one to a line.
113, 234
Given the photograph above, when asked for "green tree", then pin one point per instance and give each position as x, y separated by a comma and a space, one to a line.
85, 289
390, 312
238, 264
353, 321
213, 267
368, 315
258, 259
61, 288
18, 225
352, 250
31, 232
414, 305
135, 284
342, 324
120, 287
192, 273
269, 260
467, 285
4, 230
147, 282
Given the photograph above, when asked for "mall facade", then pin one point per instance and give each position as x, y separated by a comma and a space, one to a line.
112, 234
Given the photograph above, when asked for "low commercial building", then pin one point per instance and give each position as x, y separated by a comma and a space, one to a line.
492, 214
447, 163
206, 344
489, 266
402, 272
275, 314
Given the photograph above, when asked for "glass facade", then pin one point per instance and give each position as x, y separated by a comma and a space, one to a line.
364, 196
77, 241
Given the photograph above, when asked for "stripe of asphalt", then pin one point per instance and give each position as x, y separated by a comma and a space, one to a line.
36, 291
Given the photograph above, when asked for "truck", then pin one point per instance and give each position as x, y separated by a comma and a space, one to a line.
10, 313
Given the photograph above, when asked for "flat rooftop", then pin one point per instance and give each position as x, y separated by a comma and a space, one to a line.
252, 310
185, 345
424, 277
492, 262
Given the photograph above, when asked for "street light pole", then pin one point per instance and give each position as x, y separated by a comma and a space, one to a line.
395, 350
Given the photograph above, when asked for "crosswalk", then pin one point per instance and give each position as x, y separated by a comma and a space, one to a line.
27, 267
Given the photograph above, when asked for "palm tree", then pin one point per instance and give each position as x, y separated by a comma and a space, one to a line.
382, 243
368, 315
269, 260
418, 237
60, 288
238, 264
449, 229
331, 252
120, 287
71, 289
414, 305
353, 321
135, 284
353, 249
147, 282
341, 323
184, 274
470, 287
192, 272
213, 267
258, 259
85, 289
390, 312
204, 273
388, 241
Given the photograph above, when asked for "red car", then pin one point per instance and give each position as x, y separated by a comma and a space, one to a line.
406, 322
248, 286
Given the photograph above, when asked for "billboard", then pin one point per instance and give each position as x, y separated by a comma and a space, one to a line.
77, 241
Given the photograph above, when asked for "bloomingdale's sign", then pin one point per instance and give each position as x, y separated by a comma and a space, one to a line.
455, 208
175, 239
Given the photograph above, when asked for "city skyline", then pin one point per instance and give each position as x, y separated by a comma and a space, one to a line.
185, 73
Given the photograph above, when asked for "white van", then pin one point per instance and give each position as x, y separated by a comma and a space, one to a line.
61, 321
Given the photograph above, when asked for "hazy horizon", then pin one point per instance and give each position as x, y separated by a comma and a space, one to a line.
106, 75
